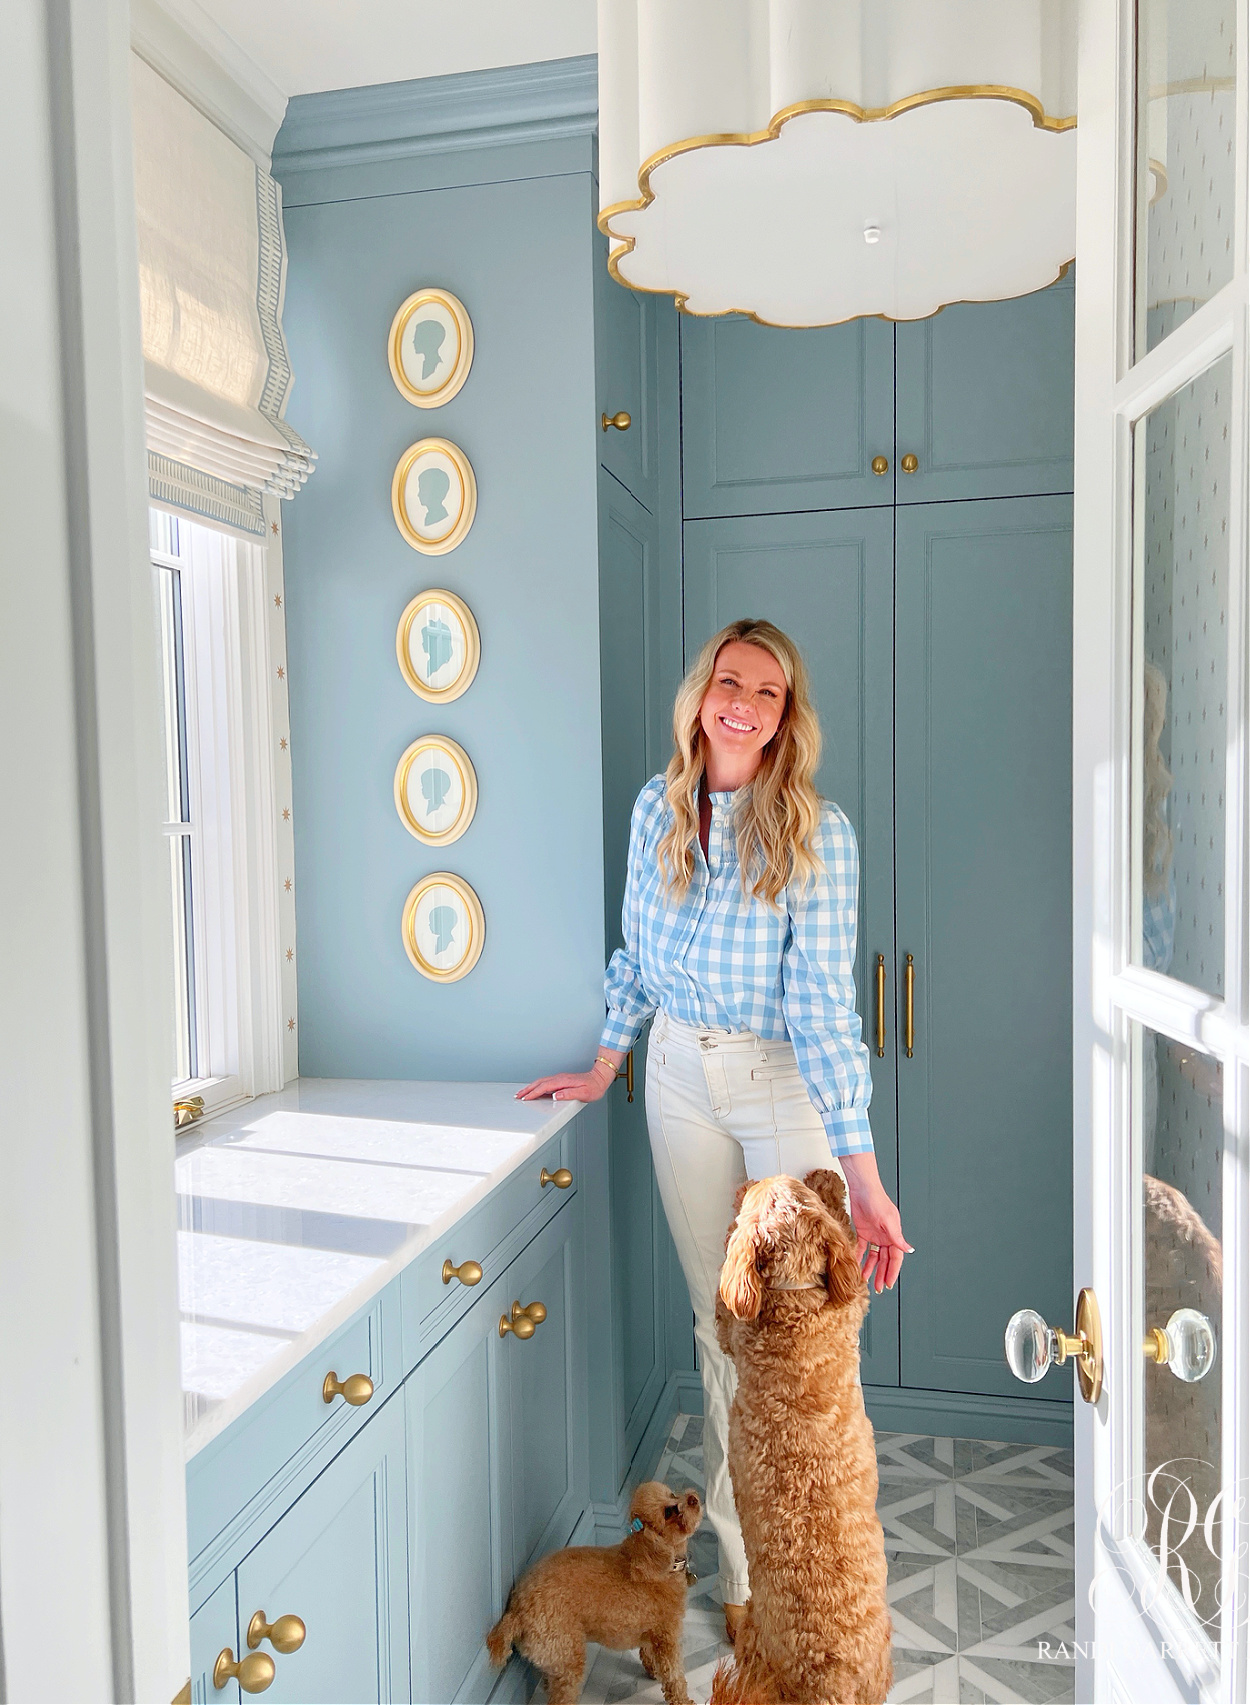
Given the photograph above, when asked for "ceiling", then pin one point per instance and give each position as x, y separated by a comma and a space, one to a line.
306, 45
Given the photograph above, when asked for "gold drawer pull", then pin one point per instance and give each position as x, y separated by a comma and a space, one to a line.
621, 421
627, 1072
881, 464
253, 1673
356, 1389
468, 1272
909, 463
909, 1006
881, 1006
561, 1178
524, 1321
285, 1635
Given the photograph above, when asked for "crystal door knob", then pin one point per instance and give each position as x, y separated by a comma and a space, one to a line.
1033, 1347
1186, 1345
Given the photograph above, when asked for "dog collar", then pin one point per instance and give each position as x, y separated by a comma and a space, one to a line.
812, 1285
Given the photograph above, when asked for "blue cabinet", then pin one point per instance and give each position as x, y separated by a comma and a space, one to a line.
214, 1629
627, 382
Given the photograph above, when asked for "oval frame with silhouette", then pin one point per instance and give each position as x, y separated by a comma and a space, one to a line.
448, 788
434, 495
450, 645
418, 354
440, 908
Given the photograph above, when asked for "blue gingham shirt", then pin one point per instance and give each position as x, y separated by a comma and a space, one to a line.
721, 960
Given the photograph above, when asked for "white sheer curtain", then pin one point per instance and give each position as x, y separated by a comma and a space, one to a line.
212, 271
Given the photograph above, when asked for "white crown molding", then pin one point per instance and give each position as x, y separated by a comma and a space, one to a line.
179, 40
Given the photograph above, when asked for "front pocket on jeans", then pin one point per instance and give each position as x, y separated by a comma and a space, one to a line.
770, 1074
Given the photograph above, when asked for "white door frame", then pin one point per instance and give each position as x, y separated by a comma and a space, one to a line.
93, 1584
1119, 1648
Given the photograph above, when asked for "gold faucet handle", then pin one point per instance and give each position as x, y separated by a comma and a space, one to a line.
356, 1389
561, 1178
621, 421
468, 1272
253, 1673
285, 1635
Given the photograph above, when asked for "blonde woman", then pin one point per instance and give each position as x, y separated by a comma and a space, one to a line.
739, 926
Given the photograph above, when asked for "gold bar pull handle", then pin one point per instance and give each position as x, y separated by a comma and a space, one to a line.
881, 1006
909, 1006
627, 1072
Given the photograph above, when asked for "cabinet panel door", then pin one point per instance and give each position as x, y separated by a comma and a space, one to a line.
339, 1560
985, 398
984, 728
625, 338
547, 1478
828, 580
455, 1471
214, 1627
776, 420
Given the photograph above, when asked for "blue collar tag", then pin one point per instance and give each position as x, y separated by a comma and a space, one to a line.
636, 1526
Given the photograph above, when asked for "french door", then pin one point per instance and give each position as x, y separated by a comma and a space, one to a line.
1162, 1043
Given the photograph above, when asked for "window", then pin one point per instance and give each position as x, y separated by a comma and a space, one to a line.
221, 813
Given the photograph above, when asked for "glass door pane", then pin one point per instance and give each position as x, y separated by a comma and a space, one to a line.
1186, 161
1181, 479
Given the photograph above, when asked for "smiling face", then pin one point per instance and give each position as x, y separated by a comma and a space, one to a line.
741, 711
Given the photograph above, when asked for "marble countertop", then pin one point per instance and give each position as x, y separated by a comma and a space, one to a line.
296, 1208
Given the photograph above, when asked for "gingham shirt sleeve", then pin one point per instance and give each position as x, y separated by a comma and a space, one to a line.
818, 993
627, 1002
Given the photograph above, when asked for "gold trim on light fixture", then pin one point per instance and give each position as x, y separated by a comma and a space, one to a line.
750, 139
472, 645
456, 758
464, 354
468, 496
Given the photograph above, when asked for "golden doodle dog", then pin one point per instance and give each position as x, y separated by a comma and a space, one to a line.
801, 1455
626, 1595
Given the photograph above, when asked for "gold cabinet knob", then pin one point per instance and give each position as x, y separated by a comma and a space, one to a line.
561, 1178
356, 1389
535, 1311
285, 1635
468, 1272
253, 1673
881, 464
909, 463
521, 1326
1033, 1347
621, 421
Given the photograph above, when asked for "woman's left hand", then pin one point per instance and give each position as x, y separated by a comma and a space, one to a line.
878, 1229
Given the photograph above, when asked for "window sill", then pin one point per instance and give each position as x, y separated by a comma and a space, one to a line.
218, 1094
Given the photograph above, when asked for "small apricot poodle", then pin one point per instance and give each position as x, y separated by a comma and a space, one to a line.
801, 1455
626, 1595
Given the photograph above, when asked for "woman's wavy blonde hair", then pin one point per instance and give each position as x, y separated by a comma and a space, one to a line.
778, 812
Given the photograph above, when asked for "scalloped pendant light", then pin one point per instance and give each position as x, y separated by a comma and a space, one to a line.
807, 161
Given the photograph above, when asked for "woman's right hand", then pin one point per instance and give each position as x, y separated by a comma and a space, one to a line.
571, 1086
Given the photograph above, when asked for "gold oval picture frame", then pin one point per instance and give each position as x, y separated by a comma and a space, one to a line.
438, 646
435, 790
434, 495
430, 347
444, 927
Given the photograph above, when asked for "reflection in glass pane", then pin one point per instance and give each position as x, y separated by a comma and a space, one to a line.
1181, 584
1182, 1136
184, 997
1186, 112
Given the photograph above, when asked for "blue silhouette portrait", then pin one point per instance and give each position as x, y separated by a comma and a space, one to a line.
436, 642
435, 786
432, 487
427, 342
442, 922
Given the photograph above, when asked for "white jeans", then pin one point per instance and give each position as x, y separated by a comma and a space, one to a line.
722, 1106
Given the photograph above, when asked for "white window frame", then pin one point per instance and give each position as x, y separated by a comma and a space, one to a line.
229, 679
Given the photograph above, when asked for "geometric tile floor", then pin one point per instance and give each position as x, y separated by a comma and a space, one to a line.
979, 1542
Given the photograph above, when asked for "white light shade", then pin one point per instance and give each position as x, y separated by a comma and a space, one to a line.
807, 161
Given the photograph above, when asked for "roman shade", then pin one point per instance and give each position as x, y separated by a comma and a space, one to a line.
212, 271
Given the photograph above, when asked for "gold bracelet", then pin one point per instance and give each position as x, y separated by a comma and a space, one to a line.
601, 1061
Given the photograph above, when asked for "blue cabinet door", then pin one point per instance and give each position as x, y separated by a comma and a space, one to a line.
983, 799
626, 381
985, 398
828, 580
776, 420
214, 1628
338, 1559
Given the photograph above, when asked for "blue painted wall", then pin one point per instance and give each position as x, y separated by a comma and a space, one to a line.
518, 251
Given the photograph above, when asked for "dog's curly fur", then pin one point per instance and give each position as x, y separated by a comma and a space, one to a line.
801, 1454
631, 1594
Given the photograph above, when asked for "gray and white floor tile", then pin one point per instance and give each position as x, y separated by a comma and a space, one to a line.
981, 1574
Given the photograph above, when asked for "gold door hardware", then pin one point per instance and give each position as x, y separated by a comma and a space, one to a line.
254, 1673
881, 1006
524, 1321
909, 463
356, 1389
909, 1006
183, 1695
561, 1178
1186, 1345
468, 1272
627, 1072
284, 1635
1032, 1347
880, 464
188, 1111
621, 421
